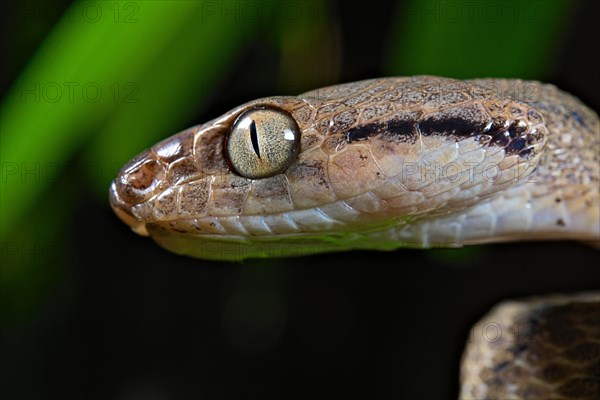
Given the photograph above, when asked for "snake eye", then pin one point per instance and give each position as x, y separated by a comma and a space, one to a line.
262, 142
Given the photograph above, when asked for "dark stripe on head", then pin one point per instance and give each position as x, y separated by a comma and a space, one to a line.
395, 129
451, 126
499, 133
363, 132
515, 145
400, 127
512, 135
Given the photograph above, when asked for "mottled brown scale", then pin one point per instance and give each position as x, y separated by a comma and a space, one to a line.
176, 147
143, 176
309, 140
194, 198
209, 152
546, 349
268, 196
317, 189
229, 193
165, 206
182, 170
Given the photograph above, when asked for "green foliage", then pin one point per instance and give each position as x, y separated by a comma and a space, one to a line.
476, 39
122, 73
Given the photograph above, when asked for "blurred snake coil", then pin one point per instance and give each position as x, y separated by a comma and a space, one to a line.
386, 163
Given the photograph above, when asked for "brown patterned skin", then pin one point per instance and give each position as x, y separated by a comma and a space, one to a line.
388, 163
383, 163
540, 348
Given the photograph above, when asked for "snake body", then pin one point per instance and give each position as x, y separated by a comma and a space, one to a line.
535, 348
383, 163
387, 163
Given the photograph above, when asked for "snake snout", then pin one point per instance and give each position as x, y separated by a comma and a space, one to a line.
137, 182
123, 211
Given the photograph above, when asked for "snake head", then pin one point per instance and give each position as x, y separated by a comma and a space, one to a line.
207, 171
376, 164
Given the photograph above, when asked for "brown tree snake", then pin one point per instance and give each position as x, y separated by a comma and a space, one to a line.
396, 162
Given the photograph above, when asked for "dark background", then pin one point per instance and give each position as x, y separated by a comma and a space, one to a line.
101, 313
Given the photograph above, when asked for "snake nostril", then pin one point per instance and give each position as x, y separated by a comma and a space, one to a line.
136, 183
142, 177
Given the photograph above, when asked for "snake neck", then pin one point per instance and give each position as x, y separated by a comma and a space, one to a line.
561, 198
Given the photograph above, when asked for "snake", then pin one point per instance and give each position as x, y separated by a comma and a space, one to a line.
388, 163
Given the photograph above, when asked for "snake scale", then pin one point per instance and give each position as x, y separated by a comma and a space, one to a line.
395, 162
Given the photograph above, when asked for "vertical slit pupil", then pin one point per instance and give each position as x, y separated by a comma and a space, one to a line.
254, 138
